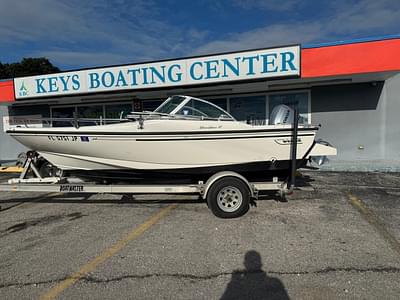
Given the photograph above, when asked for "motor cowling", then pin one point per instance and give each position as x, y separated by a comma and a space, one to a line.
282, 114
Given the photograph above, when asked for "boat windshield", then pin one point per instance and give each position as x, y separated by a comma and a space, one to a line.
170, 105
192, 107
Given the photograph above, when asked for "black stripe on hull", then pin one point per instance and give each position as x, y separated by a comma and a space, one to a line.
257, 171
185, 138
218, 138
134, 133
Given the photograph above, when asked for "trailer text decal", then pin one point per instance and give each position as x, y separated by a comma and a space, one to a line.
71, 188
255, 64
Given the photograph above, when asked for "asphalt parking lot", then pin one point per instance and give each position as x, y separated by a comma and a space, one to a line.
337, 238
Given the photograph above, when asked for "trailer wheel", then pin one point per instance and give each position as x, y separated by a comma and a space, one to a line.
228, 198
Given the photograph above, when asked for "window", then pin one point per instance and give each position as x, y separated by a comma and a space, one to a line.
221, 102
117, 111
151, 105
63, 112
90, 112
137, 105
95, 111
248, 108
294, 100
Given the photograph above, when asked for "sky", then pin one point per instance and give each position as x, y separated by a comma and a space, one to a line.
81, 33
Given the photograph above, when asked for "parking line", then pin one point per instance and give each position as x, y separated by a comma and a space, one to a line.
90, 266
372, 219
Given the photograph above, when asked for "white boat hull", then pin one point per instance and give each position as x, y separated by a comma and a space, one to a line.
86, 151
169, 148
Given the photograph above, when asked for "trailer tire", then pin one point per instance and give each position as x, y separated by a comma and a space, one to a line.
228, 197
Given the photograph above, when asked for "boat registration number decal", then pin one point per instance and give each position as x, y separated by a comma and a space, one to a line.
71, 188
67, 138
62, 138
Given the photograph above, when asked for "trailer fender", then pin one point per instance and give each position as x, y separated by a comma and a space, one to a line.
223, 174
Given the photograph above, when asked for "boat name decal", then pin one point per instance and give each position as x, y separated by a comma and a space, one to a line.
211, 127
287, 141
71, 188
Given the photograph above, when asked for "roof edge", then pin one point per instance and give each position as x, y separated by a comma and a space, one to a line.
352, 41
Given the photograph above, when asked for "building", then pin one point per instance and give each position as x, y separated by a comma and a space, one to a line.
351, 88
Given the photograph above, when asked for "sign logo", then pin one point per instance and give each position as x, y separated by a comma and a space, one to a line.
23, 91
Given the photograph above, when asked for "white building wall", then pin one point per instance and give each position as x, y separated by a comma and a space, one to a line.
392, 119
363, 122
9, 148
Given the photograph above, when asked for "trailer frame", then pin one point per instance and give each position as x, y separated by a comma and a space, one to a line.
30, 180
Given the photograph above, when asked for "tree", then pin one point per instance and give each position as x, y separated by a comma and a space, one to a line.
3, 72
27, 67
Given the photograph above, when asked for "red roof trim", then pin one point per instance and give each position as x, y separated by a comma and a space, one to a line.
7, 91
368, 57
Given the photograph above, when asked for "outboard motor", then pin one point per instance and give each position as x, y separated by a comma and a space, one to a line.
281, 114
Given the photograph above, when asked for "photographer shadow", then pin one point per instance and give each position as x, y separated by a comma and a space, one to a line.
253, 282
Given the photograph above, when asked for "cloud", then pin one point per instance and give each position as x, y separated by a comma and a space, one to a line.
39, 19
364, 16
59, 57
272, 5
113, 31
263, 37
346, 20
84, 33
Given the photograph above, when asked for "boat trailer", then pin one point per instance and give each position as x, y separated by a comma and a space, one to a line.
228, 194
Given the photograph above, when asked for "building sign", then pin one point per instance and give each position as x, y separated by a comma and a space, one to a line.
257, 64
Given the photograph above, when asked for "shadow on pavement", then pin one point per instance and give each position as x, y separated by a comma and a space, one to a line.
253, 282
85, 199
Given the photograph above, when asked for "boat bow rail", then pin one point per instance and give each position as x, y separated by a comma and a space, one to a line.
9, 123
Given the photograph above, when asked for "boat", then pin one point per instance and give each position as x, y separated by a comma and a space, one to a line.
184, 139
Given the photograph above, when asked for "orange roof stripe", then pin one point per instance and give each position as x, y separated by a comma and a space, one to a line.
7, 91
366, 57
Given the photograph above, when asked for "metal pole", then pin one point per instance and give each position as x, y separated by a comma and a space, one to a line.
294, 149
76, 120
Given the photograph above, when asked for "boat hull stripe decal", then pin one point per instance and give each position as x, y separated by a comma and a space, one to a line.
94, 133
219, 138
